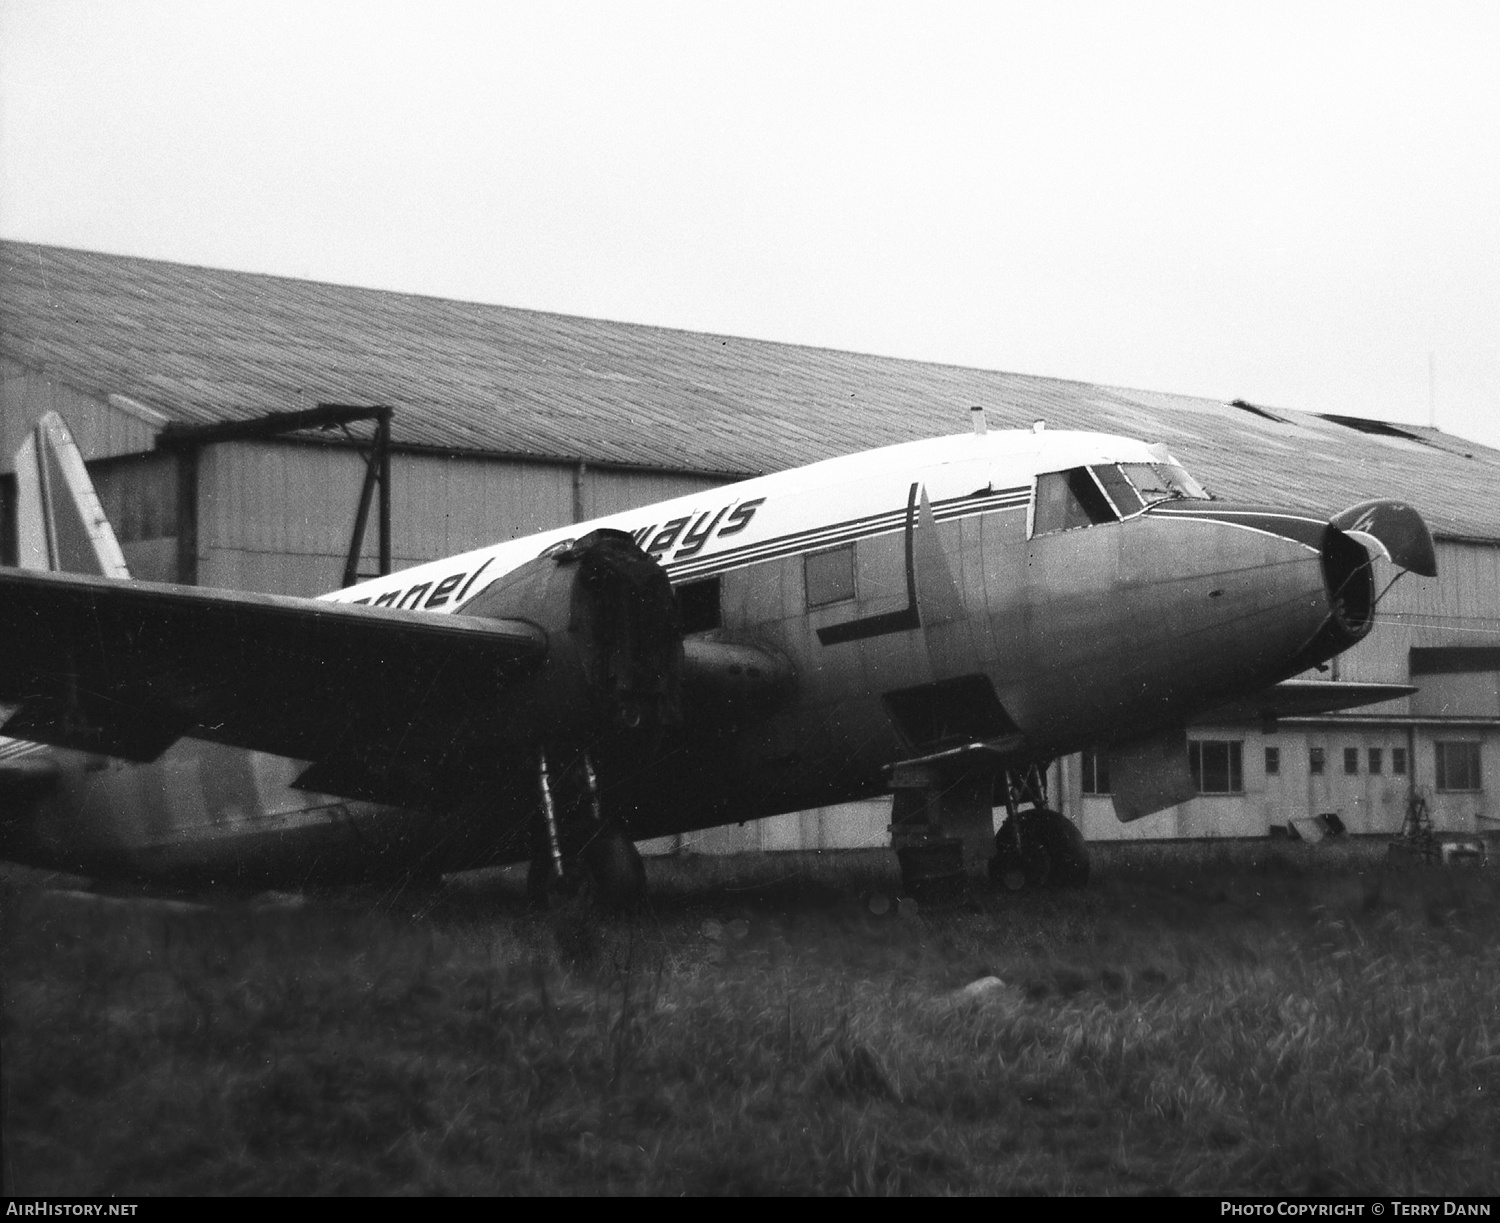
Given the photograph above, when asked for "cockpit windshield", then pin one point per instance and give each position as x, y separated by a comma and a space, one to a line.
1107, 492
1163, 481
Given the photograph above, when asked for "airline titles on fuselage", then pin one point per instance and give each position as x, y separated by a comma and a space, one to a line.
688, 535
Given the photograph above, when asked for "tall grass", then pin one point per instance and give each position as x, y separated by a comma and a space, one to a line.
1197, 1021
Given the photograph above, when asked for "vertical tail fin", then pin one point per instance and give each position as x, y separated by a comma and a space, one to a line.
60, 524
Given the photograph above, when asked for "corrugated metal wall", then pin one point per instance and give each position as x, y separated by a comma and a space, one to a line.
862, 825
139, 495
276, 517
99, 429
1459, 607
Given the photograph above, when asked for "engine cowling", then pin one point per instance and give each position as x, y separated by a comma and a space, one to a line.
614, 643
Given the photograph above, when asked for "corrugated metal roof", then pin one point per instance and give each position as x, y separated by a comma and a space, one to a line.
202, 345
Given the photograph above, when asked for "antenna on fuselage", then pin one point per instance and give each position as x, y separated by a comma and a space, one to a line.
981, 426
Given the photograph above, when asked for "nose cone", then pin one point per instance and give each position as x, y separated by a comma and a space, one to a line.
1348, 583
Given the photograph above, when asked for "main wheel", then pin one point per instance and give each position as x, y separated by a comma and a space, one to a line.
607, 872
615, 864
1052, 853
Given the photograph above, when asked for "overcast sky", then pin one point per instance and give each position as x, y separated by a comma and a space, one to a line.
1295, 204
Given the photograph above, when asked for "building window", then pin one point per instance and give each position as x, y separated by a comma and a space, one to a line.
1215, 764
1377, 761
830, 576
1351, 760
1095, 772
1457, 766
1315, 760
1273, 761
1398, 761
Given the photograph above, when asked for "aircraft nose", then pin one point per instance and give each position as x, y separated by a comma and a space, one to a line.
1344, 559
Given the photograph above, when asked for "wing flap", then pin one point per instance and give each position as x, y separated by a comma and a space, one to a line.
126, 668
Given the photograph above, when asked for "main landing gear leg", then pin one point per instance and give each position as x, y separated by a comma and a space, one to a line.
1036, 847
606, 865
610, 855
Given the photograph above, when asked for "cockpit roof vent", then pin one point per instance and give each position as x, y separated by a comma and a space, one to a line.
1379, 428
1245, 406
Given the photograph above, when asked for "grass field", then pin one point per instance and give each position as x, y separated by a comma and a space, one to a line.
1247, 1018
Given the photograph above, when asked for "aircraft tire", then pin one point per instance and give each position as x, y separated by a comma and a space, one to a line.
1054, 854
619, 875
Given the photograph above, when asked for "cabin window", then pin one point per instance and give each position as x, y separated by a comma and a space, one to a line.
1095, 772
1273, 761
698, 603
1351, 761
1457, 766
1066, 500
1398, 761
1315, 760
829, 576
1377, 761
1216, 765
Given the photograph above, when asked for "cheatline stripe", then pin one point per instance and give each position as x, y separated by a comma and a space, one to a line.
842, 532
1182, 511
1265, 526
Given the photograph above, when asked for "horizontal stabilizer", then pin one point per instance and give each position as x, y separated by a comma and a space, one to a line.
24, 779
1300, 698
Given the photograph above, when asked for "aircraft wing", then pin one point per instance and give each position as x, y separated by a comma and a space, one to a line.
124, 669
1298, 698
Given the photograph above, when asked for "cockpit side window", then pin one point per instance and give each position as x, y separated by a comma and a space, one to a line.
1066, 500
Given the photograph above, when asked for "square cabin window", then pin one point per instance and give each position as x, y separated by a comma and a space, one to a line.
1351, 760
1377, 761
1457, 766
829, 576
1315, 760
1215, 765
698, 602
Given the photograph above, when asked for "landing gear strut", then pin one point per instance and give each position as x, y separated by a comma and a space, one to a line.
942, 829
586, 856
1036, 847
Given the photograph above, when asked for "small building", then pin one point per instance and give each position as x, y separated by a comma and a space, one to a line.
505, 422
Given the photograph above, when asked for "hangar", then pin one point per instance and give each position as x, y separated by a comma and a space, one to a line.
502, 422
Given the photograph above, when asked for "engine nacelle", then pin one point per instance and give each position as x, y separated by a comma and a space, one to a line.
614, 644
